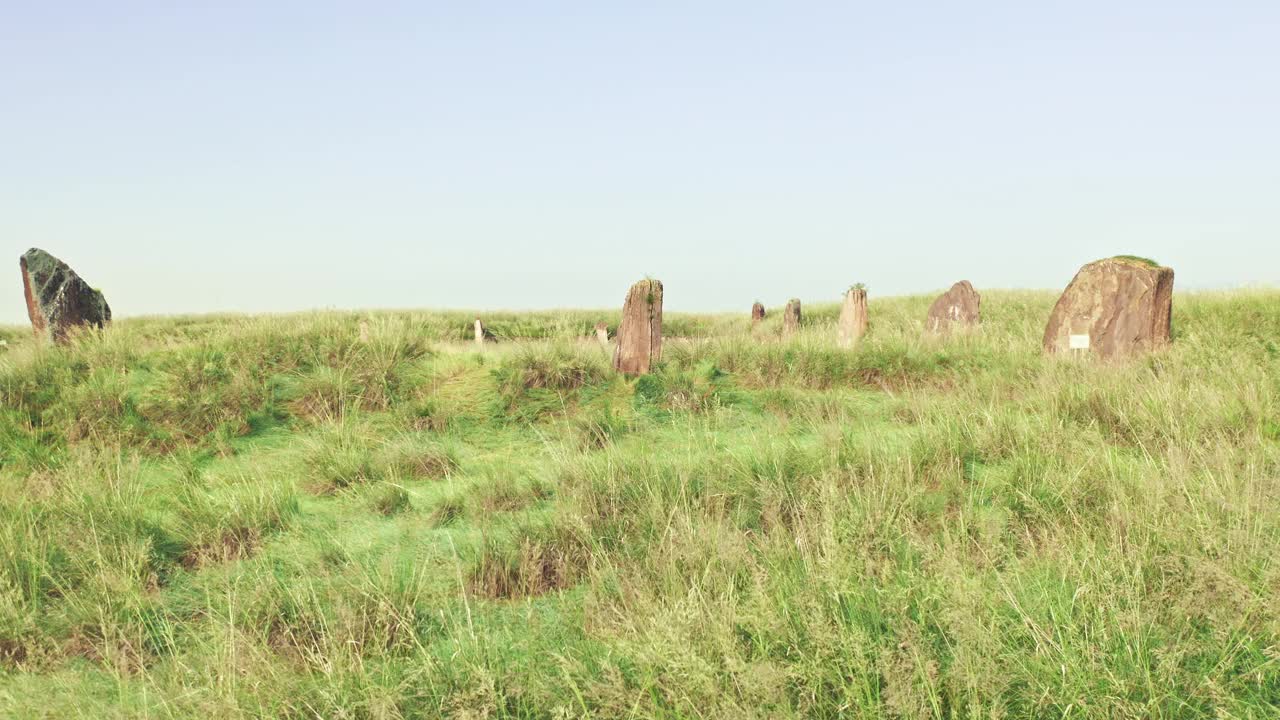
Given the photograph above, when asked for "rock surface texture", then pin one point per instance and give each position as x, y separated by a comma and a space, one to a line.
853, 318
639, 337
58, 300
1112, 308
959, 307
791, 317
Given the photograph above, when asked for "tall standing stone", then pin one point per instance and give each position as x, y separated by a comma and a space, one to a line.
602, 334
757, 314
1113, 307
853, 317
639, 337
58, 300
479, 327
961, 306
791, 317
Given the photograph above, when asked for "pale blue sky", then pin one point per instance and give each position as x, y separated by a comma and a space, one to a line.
264, 156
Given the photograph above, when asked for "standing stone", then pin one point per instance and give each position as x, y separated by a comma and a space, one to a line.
757, 314
791, 317
1113, 307
639, 337
958, 307
853, 317
484, 334
57, 299
602, 334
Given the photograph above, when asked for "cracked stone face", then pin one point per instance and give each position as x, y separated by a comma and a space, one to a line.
1112, 308
852, 324
791, 317
639, 336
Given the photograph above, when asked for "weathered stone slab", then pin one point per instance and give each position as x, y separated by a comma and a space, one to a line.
757, 314
959, 307
791, 317
602, 334
639, 337
1112, 308
58, 300
853, 317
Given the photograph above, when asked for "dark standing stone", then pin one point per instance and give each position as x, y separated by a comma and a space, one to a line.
958, 307
791, 317
639, 337
757, 314
57, 299
1113, 307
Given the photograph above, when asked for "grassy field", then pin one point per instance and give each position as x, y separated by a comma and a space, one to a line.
220, 517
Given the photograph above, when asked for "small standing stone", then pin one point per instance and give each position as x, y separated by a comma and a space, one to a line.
58, 300
639, 337
791, 317
484, 334
1113, 307
602, 334
961, 306
757, 314
853, 317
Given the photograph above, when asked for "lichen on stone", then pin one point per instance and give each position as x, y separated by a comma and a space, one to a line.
58, 299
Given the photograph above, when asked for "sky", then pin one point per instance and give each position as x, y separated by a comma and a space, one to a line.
280, 156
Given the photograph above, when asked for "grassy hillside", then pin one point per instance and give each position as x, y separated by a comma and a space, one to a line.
266, 517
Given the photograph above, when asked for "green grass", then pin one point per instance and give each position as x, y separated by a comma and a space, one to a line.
1138, 259
267, 517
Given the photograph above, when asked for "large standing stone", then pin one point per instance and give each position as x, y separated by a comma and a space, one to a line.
853, 317
757, 314
57, 299
791, 317
958, 307
639, 337
1113, 307
602, 334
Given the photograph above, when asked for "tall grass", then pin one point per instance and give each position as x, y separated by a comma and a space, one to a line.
272, 517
